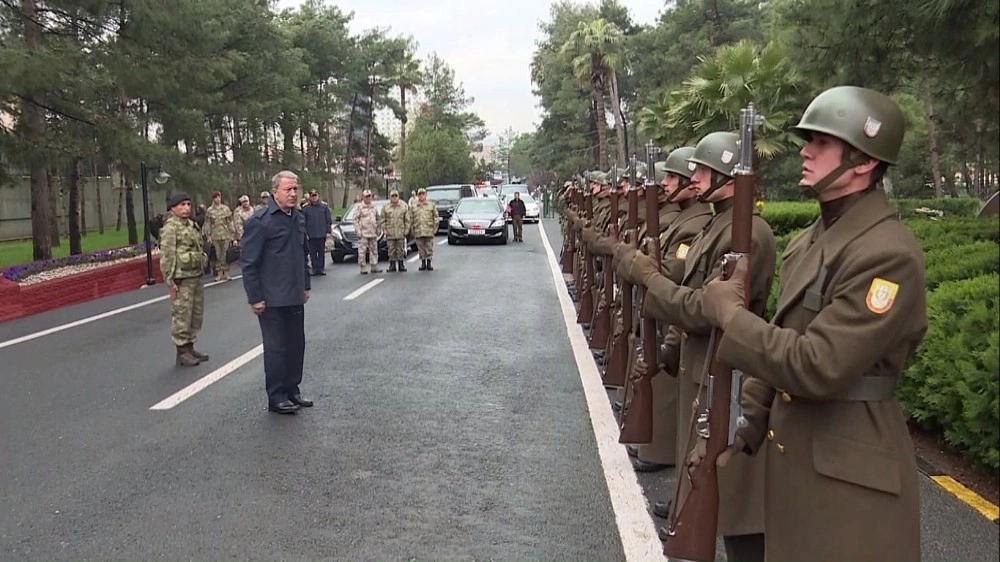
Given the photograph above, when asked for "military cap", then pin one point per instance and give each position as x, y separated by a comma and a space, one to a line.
366, 193
265, 194
421, 190
869, 121
177, 199
393, 192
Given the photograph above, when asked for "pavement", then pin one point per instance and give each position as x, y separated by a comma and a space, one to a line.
457, 418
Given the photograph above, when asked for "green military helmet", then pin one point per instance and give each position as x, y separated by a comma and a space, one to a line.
865, 119
640, 172
659, 171
678, 162
719, 151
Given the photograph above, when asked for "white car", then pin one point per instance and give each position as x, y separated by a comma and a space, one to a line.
532, 210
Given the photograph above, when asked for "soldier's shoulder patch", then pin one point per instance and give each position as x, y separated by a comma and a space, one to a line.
682, 252
881, 295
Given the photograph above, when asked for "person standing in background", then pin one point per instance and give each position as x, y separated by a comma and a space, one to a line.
277, 283
367, 223
424, 218
318, 223
396, 221
182, 261
517, 211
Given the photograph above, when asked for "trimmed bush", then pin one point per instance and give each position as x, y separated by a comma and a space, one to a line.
952, 263
952, 207
787, 216
953, 383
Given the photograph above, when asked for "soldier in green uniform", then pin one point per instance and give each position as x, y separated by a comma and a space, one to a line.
741, 484
182, 260
424, 218
841, 476
396, 222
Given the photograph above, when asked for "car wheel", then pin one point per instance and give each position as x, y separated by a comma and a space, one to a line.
337, 257
452, 241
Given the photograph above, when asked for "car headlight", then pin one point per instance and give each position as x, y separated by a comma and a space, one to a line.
455, 223
337, 234
498, 222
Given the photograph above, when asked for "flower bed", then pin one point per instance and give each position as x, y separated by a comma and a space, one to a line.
19, 273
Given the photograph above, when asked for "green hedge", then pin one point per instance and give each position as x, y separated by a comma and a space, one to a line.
952, 207
952, 383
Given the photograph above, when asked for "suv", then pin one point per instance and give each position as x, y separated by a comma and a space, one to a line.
446, 197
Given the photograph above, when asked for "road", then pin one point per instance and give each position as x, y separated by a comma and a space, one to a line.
458, 417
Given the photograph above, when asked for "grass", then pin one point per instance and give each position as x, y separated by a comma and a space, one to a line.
20, 251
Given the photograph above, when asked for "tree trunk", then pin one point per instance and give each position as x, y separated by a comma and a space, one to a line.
347, 153
371, 132
617, 111
121, 201
55, 200
601, 122
35, 121
133, 232
100, 203
73, 214
402, 133
933, 145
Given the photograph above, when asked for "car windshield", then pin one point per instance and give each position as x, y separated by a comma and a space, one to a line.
524, 197
349, 215
445, 193
512, 188
478, 206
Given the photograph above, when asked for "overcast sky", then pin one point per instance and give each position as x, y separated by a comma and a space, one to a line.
488, 44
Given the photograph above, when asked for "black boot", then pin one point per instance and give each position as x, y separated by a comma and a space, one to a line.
423, 265
401, 266
392, 266
429, 267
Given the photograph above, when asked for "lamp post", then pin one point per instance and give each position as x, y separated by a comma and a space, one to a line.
160, 178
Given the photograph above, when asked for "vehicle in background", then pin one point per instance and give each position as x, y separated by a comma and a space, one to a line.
345, 238
446, 197
478, 219
510, 188
532, 210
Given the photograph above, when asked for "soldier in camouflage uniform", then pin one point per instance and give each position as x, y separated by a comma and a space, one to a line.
265, 196
396, 221
424, 218
182, 260
221, 230
241, 214
367, 223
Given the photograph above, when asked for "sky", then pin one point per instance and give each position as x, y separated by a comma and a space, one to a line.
488, 44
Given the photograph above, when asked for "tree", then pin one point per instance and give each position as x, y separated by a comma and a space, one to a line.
437, 154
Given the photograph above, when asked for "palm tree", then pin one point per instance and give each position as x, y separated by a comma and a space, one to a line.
596, 51
718, 88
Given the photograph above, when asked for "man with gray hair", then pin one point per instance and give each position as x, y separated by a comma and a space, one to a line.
277, 283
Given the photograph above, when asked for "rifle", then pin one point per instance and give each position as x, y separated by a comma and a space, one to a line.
637, 426
586, 312
692, 530
616, 367
568, 248
602, 321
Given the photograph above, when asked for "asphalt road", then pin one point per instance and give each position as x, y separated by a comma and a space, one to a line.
456, 418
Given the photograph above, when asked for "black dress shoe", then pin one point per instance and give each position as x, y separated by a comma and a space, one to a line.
617, 406
661, 509
663, 533
300, 401
632, 450
643, 466
286, 407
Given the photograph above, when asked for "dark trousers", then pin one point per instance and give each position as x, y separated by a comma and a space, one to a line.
518, 227
744, 548
317, 254
282, 329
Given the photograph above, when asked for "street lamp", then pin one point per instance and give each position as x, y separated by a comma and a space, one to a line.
160, 178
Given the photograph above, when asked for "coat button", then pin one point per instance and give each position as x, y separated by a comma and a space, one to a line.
781, 448
770, 435
786, 397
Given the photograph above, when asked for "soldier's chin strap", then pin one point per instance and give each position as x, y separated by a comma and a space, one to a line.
718, 180
683, 183
846, 163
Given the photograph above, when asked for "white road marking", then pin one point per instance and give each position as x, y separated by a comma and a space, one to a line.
635, 526
361, 290
413, 259
444, 241
204, 382
97, 317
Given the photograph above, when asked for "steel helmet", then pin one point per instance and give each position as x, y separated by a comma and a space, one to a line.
867, 120
677, 162
718, 151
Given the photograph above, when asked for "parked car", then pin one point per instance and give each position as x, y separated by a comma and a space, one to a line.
532, 211
446, 197
345, 239
478, 219
510, 188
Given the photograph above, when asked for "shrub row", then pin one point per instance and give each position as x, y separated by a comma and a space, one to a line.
952, 385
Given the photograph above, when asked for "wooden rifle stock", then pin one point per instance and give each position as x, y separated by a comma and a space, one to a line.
692, 532
637, 425
616, 373
601, 334
586, 312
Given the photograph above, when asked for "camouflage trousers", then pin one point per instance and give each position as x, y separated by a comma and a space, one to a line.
187, 311
397, 249
221, 245
425, 245
367, 252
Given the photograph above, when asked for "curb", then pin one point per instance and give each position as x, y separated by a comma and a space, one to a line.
970, 498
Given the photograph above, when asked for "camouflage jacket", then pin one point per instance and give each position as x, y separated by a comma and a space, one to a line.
182, 254
219, 223
240, 216
396, 220
424, 218
367, 222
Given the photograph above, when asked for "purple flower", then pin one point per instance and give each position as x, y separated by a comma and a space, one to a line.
18, 272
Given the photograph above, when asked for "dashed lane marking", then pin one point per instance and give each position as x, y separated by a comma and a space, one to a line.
97, 317
206, 381
444, 241
364, 288
413, 259
635, 526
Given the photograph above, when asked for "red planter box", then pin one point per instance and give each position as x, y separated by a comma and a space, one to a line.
17, 301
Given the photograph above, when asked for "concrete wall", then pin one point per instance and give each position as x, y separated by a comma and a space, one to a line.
15, 202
